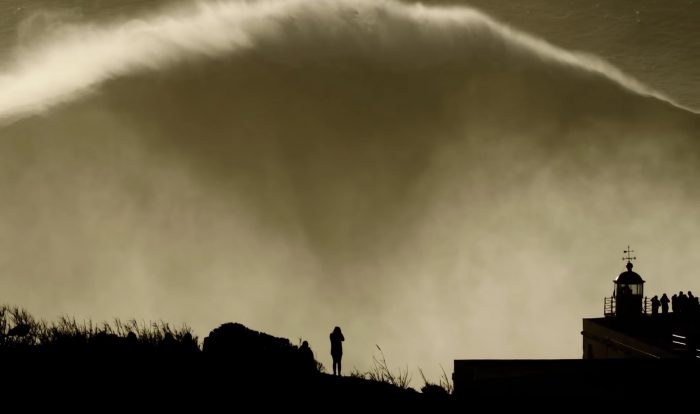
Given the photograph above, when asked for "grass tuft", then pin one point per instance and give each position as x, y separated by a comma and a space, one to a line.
20, 330
381, 372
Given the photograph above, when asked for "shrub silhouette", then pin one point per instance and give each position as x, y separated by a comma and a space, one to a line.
252, 351
234, 343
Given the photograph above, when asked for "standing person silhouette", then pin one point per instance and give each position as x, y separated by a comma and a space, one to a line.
664, 303
655, 303
337, 339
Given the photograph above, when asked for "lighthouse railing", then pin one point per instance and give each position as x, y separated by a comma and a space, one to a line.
646, 306
609, 306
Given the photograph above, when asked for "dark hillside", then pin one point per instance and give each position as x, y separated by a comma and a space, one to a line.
235, 365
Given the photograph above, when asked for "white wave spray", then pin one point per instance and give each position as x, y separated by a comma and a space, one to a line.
75, 58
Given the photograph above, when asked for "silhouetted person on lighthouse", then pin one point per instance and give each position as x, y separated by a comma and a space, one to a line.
692, 302
664, 303
682, 302
655, 305
337, 339
674, 303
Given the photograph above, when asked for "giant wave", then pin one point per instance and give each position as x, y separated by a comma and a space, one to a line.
411, 173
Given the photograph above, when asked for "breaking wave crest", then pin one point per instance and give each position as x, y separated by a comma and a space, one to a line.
72, 59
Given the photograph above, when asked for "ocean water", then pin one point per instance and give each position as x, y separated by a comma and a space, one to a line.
652, 40
444, 181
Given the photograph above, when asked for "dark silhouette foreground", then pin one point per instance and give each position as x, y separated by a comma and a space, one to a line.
235, 367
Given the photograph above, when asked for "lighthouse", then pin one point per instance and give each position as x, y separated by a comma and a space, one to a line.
628, 291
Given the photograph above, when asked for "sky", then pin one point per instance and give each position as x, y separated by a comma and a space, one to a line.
443, 181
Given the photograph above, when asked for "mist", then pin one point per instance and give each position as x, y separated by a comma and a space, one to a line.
427, 178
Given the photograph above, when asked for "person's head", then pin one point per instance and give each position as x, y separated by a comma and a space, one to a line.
336, 330
305, 344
